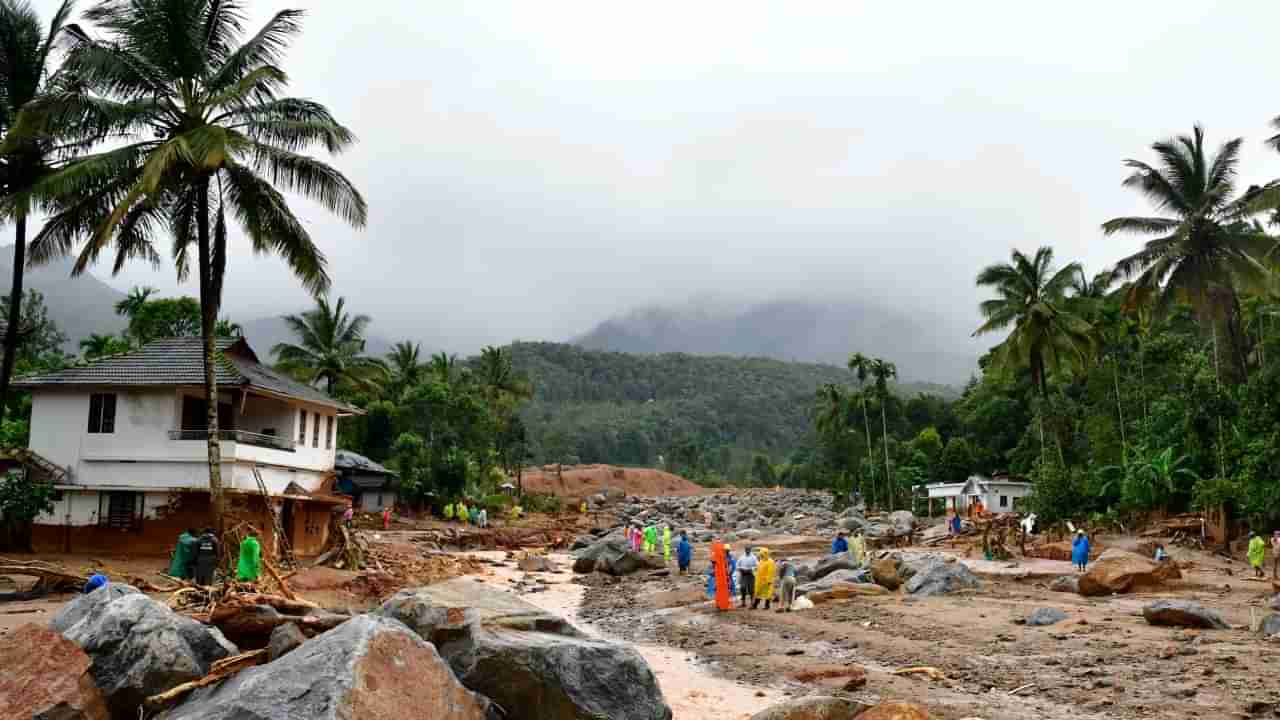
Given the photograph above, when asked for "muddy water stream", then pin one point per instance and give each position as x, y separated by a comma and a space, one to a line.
692, 691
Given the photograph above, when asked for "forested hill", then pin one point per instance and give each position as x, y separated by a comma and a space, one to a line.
715, 412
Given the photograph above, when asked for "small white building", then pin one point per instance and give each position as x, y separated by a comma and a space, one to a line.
996, 495
129, 434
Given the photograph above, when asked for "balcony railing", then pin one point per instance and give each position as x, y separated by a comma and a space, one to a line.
240, 436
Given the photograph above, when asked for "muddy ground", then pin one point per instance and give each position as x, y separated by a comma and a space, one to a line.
1104, 661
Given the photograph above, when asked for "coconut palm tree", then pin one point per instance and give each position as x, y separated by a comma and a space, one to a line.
884, 371
444, 367
202, 138
498, 375
1031, 299
133, 302
330, 348
1205, 249
405, 363
861, 366
25, 72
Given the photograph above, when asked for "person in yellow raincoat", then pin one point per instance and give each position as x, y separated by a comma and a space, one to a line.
666, 544
448, 511
858, 550
765, 576
1257, 553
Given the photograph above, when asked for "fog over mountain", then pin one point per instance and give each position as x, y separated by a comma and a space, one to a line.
804, 330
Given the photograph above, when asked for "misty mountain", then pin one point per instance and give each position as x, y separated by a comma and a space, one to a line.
79, 306
789, 330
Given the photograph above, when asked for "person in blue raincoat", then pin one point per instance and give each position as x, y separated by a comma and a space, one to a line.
1080, 551
711, 575
684, 553
840, 544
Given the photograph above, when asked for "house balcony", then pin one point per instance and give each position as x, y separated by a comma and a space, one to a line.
242, 437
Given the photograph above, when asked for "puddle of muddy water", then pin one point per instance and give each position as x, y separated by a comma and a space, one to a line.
691, 689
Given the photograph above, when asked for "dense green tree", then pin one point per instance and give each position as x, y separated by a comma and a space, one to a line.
96, 346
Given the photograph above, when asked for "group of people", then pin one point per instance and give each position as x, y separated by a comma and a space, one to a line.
646, 540
195, 557
752, 577
474, 515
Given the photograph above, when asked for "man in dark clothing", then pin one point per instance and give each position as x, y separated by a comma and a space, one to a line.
206, 560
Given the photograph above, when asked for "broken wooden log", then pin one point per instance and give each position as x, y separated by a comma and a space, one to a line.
220, 670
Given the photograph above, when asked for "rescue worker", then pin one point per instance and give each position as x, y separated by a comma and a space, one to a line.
386, 518
651, 540
483, 518
839, 545
1080, 551
764, 579
719, 574
462, 511
786, 585
684, 553
250, 564
747, 565
206, 557
1257, 553
858, 550
448, 512
180, 565
666, 545
474, 517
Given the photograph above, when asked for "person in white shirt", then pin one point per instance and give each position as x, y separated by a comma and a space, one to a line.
747, 565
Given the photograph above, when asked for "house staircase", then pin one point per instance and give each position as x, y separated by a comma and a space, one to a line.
57, 475
285, 550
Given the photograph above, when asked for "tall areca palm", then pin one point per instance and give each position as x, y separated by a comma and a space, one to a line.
1031, 298
1205, 250
330, 348
204, 139
884, 371
25, 49
861, 366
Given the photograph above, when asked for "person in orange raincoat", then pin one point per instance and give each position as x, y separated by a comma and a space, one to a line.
720, 561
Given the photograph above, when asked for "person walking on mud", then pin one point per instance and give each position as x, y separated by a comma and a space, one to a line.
1257, 554
1080, 551
206, 558
684, 553
786, 586
666, 545
747, 565
764, 579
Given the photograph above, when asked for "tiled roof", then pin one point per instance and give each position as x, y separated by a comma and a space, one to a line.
180, 361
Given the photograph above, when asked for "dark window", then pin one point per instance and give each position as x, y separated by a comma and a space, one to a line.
102, 413
194, 416
328, 432
120, 510
302, 428
315, 432
1004, 501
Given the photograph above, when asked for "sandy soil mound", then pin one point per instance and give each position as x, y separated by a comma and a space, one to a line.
584, 480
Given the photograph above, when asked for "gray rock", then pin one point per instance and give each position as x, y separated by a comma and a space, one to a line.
937, 575
1275, 603
368, 668
1183, 613
76, 610
1045, 616
817, 707
832, 563
284, 640
611, 557
830, 580
138, 647
1065, 583
582, 541
434, 619
902, 521
1270, 625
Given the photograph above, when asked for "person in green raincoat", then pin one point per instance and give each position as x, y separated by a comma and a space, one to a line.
184, 554
250, 564
448, 511
1257, 553
650, 539
666, 544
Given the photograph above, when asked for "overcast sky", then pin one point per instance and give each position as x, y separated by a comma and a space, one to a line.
533, 168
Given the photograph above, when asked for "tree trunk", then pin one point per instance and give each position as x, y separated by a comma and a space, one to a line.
1124, 444
884, 425
871, 459
208, 319
1037, 373
15, 311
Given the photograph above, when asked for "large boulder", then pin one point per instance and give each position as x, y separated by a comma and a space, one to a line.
1065, 583
534, 665
937, 575
1270, 626
830, 580
902, 522
46, 676
1183, 613
368, 668
1045, 616
612, 557
76, 610
284, 640
832, 563
139, 647
885, 573
895, 711
1117, 571
844, 591
817, 707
